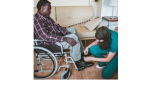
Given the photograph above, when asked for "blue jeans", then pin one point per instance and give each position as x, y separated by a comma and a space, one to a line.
111, 66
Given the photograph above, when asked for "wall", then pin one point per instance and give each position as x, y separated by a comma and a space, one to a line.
66, 2
107, 10
72, 3
103, 9
94, 4
99, 8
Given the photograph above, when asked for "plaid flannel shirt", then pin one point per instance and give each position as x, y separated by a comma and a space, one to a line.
45, 28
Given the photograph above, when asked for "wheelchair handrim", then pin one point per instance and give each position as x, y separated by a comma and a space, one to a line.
56, 63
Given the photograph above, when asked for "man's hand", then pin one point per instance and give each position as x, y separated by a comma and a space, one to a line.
87, 59
71, 41
69, 33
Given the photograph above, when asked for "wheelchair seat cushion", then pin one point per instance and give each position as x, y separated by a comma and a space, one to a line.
53, 47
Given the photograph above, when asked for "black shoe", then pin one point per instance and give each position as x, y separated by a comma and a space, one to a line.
81, 64
88, 64
80, 68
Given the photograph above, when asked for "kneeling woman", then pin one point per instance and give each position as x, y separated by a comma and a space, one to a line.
106, 43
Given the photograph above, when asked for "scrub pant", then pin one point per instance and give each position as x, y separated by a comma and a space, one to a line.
111, 66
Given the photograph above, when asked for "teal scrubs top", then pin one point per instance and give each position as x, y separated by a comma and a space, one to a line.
114, 42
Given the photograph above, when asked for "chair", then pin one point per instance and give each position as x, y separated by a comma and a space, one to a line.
46, 59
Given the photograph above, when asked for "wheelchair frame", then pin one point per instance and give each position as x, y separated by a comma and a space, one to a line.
56, 56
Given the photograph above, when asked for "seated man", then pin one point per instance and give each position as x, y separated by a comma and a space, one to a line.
45, 28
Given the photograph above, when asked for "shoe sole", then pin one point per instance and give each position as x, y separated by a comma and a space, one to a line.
85, 67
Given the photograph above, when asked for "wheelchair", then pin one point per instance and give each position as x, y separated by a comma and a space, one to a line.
46, 61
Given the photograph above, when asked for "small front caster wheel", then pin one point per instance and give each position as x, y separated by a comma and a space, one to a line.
65, 74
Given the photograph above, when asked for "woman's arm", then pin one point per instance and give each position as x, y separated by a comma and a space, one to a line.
93, 43
108, 59
87, 48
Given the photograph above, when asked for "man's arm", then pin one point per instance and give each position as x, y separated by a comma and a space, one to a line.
60, 28
41, 31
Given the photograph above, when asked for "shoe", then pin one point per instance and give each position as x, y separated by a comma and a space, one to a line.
100, 66
81, 65
87, 64
84, 64
97, 66
80, 68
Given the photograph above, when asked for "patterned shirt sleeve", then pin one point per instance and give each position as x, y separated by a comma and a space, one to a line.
62, 29
42, 33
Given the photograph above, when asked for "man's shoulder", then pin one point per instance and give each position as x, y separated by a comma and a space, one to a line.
36, 16
50, 18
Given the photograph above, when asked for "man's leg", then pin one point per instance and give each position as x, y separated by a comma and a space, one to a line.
73, 30
75, 52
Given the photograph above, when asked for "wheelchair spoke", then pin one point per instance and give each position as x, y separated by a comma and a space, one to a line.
44, 63
35, 62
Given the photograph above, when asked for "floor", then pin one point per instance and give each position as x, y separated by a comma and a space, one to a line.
89, 73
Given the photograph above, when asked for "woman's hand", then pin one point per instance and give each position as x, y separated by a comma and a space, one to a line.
88, 59
86, 51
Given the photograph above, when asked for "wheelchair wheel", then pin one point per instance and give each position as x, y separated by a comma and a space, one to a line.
45, 63
65, 74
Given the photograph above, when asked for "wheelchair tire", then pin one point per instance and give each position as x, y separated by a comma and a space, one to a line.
65, 74
46, 66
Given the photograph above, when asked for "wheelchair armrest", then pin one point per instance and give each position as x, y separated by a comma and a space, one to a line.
59, 44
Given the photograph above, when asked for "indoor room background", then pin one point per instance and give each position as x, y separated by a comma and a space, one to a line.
100, 7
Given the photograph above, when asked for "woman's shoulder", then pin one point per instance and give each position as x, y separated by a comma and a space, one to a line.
114, 41
113, 32
114, 35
